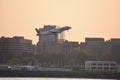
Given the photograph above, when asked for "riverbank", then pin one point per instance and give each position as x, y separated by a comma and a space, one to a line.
58, 74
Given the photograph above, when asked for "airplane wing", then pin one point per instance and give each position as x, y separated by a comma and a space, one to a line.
60, 29
55, 31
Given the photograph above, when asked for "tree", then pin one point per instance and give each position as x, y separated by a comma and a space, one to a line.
77, 56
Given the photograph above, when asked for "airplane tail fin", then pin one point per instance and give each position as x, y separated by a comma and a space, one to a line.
37, 30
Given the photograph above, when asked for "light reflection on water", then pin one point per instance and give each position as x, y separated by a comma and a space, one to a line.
51, 79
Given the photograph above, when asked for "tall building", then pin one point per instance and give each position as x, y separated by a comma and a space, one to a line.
14, 47
48, 38
50, 42
52, 37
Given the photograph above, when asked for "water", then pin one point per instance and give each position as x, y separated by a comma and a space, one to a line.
51, 79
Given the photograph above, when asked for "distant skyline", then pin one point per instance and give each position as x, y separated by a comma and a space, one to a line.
88, 18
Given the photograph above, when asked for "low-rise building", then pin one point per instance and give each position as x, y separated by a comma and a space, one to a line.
113, 45
93, 46
15, 46
101, 66
69, 45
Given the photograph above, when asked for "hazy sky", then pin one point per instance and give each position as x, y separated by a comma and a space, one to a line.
88, 18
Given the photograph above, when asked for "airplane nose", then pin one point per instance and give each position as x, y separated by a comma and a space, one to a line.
69, 27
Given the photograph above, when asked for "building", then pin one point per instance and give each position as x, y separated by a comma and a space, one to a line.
118, 68
113, 46
113, 49
15, 46
54, 45
52, 48
93, 46
69, 45
34, 49
101, 66
49, 43
52, 37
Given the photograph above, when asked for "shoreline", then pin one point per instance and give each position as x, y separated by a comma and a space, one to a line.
58, 74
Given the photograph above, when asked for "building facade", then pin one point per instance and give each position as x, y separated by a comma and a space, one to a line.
69, 45
50, 43
113, 49
12, 47
113, 46
93, 46
101, 66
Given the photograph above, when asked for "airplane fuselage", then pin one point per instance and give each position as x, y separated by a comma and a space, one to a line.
53, 31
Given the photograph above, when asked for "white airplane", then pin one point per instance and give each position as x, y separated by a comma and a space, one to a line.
52, 31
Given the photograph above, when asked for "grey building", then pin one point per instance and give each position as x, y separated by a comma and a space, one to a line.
11, 47
93, 46
69, 45
101, 66
48, 38
50, 43
56, 47
113, 46
113, 49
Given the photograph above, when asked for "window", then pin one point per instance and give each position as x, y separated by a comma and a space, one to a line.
100, 64
113, 65
100, 68
106, 68
113, 68
93, 67
93, 64
106, 64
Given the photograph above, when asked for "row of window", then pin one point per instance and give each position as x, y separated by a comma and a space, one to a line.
104, 64
105, 68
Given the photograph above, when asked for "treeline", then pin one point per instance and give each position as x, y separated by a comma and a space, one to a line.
76, 56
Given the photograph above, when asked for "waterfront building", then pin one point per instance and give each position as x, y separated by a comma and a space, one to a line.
69, 45
93, 46
52, 48
101, 66
49, 43
51, 37
113, 49
113, 46
118, 68
34, 49
15, 46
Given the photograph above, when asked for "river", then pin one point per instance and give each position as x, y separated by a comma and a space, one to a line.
52, 79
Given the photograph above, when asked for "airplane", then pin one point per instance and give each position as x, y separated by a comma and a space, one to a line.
52, 31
